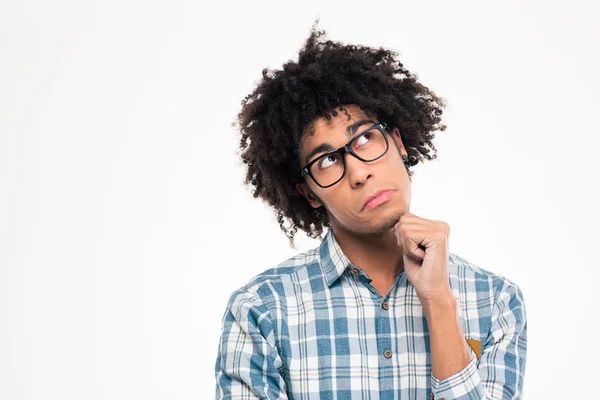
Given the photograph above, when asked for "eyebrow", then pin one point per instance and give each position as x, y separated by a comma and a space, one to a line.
324, 147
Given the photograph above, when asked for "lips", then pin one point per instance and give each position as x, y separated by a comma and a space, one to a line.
377, 198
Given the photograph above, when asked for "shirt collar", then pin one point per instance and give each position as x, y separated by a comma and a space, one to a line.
333, 260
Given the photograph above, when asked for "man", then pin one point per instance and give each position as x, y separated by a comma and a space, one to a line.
380, 309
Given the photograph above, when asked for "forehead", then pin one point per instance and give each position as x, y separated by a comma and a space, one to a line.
329, 131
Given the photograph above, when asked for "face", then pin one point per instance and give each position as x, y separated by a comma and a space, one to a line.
344, 201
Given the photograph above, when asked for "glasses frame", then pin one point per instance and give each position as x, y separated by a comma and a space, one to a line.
347, 148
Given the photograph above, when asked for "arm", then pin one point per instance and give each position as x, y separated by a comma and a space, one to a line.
500, 371
247, 362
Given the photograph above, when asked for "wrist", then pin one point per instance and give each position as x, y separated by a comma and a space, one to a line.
443, 303
440, 298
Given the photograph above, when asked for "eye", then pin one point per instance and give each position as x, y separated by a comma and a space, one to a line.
328, 161
364, 139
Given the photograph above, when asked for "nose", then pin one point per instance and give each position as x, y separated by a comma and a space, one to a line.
358, 172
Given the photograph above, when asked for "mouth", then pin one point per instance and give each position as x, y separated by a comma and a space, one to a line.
377, 198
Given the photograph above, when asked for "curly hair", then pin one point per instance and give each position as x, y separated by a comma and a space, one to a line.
328, 75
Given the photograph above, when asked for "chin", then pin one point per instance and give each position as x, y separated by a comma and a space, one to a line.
391, 215
385, 221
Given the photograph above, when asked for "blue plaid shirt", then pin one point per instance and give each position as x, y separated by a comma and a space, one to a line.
313, 327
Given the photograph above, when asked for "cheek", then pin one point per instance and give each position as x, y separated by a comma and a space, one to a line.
333, 201
340, 206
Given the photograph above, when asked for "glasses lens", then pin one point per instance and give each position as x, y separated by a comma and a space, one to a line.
328, 169
369, 146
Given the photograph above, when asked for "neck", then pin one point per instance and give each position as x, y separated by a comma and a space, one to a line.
378, 254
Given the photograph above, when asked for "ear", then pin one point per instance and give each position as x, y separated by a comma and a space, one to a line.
306, 192
395, 134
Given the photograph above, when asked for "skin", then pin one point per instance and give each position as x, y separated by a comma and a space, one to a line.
386, 239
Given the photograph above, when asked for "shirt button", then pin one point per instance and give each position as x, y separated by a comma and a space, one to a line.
431, 396
355, 271
385, 305
387, 354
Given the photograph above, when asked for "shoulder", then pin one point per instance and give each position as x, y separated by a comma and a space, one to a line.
467, 277
266, 286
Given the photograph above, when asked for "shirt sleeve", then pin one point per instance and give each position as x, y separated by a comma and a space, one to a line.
499, 372
248, 363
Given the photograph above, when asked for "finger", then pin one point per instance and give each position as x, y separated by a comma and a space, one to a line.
415, 251
411, 242
408, 230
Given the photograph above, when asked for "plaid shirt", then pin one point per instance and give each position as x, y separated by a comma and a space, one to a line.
313, 327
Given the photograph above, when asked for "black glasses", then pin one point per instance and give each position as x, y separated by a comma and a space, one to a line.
329, 168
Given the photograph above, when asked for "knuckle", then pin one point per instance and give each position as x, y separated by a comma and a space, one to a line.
445, 227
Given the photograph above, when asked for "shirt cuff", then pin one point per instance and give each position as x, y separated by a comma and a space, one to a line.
463, 385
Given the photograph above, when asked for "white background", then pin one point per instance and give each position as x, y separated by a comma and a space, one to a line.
124, 224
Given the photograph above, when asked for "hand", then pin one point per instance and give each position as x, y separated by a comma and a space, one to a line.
425, 252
